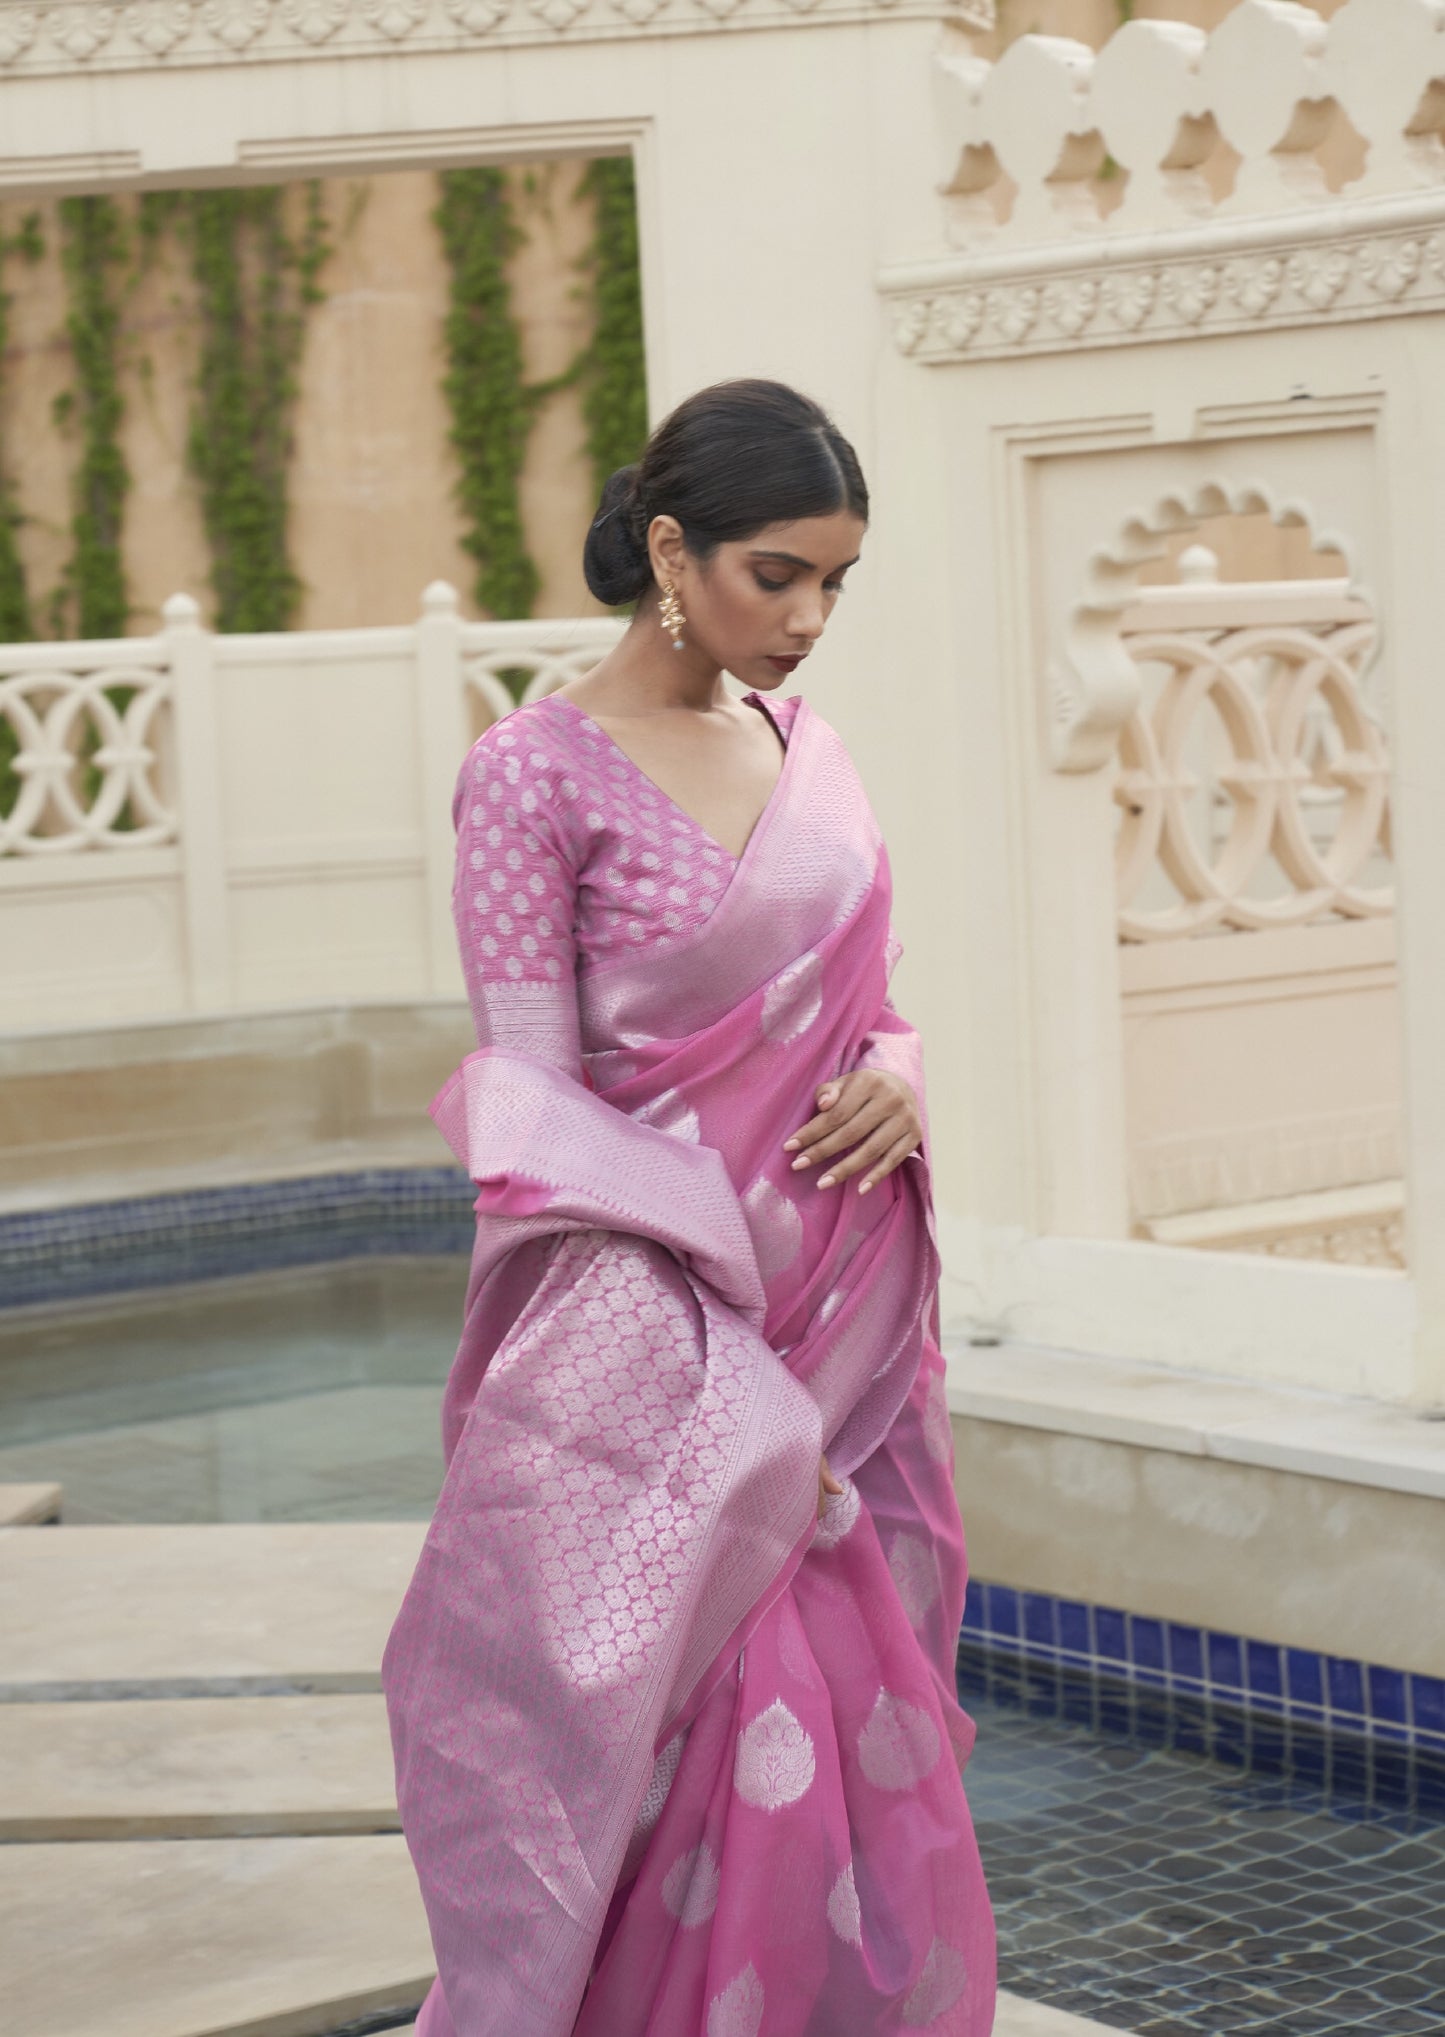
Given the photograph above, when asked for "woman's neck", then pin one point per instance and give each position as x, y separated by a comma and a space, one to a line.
646, 675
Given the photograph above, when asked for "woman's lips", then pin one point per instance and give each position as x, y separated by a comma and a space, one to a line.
786, 664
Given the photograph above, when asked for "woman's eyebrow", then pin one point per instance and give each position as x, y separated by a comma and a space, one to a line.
792, 559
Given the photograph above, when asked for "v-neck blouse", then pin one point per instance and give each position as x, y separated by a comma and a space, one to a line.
567, 856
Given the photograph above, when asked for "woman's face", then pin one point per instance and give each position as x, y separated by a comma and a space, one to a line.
756, 606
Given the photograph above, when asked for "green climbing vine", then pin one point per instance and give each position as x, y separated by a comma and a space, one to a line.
613, 370
255, 281
492, 407
16, 625
94, 250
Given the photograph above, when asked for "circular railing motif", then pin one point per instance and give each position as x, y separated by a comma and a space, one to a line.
1302, 786
84, 754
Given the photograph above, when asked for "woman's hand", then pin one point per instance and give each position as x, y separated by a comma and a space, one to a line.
828, 1487
874, 1113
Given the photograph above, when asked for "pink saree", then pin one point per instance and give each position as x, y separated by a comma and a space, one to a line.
674, 1757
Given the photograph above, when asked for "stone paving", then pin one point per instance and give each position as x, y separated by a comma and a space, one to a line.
195, 1779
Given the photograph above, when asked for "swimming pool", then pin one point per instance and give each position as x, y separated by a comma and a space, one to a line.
1171, 1857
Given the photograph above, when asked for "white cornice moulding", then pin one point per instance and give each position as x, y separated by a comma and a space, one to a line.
1343, 263
171, 34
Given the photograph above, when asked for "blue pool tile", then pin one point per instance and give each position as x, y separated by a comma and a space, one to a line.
1264, 1670
1387, 1695
1003, 1610
1427, 1704
1116, 1715
1079, 1704
1308, 1757
1111, 1635
974, 1618
1186, 1652
1306, 1676
1345, 1684
1146, 1643
1224, 1661
1039, 1626
1074, 1627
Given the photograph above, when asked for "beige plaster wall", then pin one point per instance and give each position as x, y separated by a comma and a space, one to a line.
373, 514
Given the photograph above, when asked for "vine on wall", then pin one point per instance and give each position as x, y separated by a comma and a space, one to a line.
255, 283
256, 272
94, 252
15, 619
614, 368
492, 406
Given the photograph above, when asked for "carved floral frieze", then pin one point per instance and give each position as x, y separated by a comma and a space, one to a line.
54, 35
968, 315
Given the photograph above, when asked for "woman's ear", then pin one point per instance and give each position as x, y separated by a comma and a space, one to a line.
665, 547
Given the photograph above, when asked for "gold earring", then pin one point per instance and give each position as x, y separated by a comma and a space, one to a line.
669, 609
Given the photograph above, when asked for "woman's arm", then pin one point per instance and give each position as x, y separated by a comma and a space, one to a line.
514, 900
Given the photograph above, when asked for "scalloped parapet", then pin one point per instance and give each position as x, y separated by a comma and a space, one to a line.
1275, 111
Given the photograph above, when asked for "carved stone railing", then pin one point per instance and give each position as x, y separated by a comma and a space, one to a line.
1282, 169
194, 822
86, 725
90, 724
1302, 794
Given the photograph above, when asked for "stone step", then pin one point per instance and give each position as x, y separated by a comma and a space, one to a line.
196, 1768
23, 1506
200, 1611
1016, 2017
209, 1937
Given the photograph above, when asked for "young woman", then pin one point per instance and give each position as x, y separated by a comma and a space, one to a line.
672, 1694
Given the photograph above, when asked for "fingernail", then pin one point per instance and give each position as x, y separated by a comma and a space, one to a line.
801, 1161
825, 1181
864, 1186
790, 1145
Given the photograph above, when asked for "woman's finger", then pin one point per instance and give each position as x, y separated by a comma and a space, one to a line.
894, 1157
863, 1155
866, 1117
826, 1121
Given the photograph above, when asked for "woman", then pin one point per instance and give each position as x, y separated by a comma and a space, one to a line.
672, 1694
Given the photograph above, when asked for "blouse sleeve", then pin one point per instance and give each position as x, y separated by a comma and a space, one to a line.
514, 899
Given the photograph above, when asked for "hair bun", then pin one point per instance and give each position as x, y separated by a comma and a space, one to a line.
614, 558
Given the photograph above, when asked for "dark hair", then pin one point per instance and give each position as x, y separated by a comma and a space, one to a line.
726, 463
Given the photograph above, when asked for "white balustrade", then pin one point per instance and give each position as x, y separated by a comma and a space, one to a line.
193, 822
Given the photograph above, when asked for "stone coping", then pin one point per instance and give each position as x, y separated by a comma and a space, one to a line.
196, 1768
227, 1937
200, 1610
1353, 1441
24, 1506
418, 1148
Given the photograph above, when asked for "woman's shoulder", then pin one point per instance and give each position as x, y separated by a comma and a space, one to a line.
530, 760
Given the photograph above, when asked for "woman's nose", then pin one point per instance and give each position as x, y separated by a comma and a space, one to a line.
808, 617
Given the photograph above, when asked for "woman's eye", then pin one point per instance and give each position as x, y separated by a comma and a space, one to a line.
834, 587
772, 586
